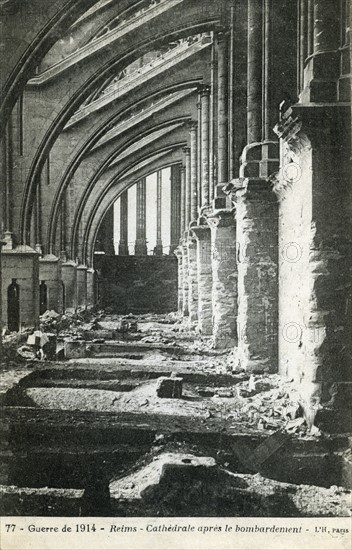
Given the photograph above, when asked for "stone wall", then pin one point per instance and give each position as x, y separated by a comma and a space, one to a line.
138, 284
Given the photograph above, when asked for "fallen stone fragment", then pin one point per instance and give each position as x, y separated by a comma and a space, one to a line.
175, 484
169, 387
224, 393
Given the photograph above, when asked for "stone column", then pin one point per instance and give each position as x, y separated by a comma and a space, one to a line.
326, 26
194, 177
106, 232
179, 256
205, 279
21, 264
141, 244
1, 315
175, 226
69, 279
205, 98
185, 309
257, 257
123, 244
50, 272
199, 150
81, 286
222, 128
254, 71
260, 157
159, 244
90, 288
63, 228
8, 173
224, 272
322, 70
38, 217
316, 250
183, 200
187, 152
192, 279
211, 125
302, 42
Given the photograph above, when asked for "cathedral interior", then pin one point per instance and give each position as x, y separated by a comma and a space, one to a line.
176, 258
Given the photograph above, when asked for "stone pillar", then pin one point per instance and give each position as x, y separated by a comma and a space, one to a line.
82, 286
194, 177
222, 130
50, 272
322, 70
69, 279
212, 124
90, 288
199, 150
260, 157
185, 309
205, 98
123, 244
315, 269
38, 217
224, 270
106, 232
302, 42
192, 278
257, 257
141, 244
326, 26
179, 256
175, 227
205, 279
22, 265
183, 201
159, 244
187, 152
1, 292
254, 71
63, 228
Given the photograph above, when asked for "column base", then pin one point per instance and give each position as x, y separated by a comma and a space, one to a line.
22, 265
158, 250
140, 248
50, 272
123, 249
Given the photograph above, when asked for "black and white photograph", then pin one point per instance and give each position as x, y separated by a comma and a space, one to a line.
175, 274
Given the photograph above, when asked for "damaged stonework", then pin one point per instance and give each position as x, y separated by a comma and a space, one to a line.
315, 219
205, 283
185, 484
224, 266
257, 261
185, 286
192, 278
179, 256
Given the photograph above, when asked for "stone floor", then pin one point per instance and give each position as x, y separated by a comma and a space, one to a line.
91, 435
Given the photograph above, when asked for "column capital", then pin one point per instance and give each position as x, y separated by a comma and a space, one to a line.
250, 189
187, 151
204, 90
222, 218
182, 168
191, 240
178, 252
192, 125
222, 34
202, 232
